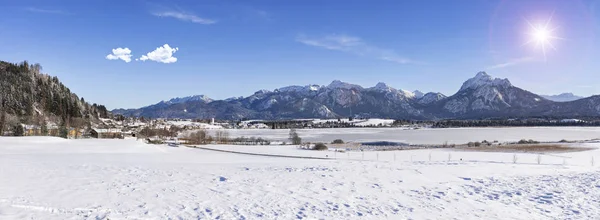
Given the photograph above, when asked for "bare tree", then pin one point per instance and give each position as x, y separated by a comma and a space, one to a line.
294, 137
198, 137
222, 136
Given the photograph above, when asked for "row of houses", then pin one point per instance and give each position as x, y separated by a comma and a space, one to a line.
73, 133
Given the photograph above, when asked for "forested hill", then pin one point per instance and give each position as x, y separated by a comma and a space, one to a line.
31, 97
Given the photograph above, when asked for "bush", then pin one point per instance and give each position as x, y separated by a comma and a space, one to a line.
337, 141
320, 146
530, 141
154, 141
18, 130
474, 144
63, 132
563, 141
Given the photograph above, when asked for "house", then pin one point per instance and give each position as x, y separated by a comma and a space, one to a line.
106, 133
31, 130
75, 133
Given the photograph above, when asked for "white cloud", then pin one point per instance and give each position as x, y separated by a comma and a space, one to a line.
185, 17
46, 11
120, 53
512, 62
354, 45
162, 54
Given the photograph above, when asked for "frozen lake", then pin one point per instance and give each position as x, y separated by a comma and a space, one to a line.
427, 136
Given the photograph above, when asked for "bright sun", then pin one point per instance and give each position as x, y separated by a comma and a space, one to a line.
542, 35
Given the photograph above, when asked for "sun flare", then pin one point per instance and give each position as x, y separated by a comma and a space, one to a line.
542, 36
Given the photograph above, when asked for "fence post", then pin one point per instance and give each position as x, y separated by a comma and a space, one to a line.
394, 156
592, 160
377, 156
449, 157
429, 156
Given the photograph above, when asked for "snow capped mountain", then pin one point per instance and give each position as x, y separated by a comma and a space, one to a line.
484, 95
431, 97
202, 98
382, 87
483, 79
336, 84
563, 97
418, 94
299, 89
480, 96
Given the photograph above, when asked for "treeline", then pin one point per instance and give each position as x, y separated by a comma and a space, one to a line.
28, 96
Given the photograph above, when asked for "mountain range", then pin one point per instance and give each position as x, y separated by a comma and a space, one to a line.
563, 97
479, 97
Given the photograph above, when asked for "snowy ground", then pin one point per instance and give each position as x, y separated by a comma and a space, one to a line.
427, 136
51, 178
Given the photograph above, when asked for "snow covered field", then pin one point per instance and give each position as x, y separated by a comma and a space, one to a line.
427, 136
51, 178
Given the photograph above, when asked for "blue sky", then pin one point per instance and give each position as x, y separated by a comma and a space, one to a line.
225, 48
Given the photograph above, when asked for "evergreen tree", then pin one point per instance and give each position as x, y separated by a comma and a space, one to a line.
63, 132
44, 128
18, 130
2, 121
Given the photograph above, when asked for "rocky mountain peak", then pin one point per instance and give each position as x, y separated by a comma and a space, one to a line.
483, 79
337, 84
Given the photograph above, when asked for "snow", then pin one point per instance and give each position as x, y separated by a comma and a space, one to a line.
419, 94
482, 79
299, 89
194, 124
337, 84
427, 135
563, 97
431, 97
202, 98
357, 122
51, 178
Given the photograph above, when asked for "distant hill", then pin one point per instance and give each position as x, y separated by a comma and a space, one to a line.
479, 97
29, 96
563, 97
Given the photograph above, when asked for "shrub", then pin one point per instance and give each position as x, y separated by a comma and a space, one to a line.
18, 130
320, 146
63, 132
563, 141
530, 141
474, 144
337, 141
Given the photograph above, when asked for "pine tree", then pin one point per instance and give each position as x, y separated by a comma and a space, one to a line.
44, 128
63, 132
18, 130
